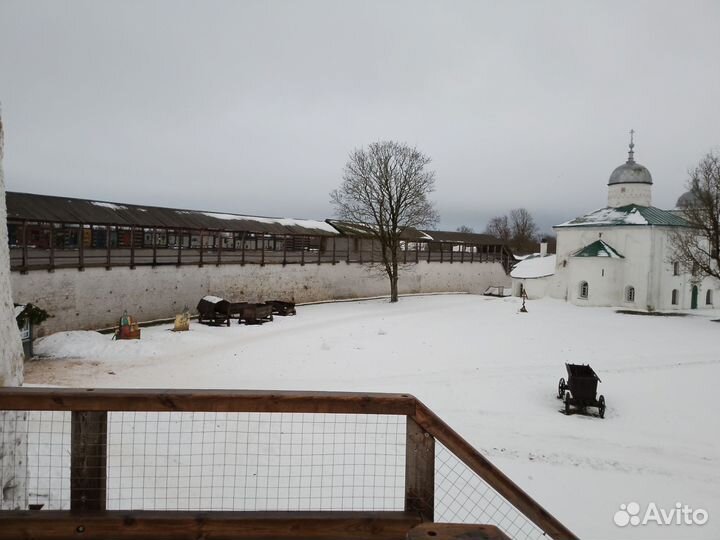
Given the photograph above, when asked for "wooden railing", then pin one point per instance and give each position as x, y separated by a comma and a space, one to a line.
49, 246
88, 517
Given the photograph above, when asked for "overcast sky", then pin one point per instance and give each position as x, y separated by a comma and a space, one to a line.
253, 106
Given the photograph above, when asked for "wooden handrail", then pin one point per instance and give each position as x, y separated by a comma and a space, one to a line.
153, 400
422, 423
480, 465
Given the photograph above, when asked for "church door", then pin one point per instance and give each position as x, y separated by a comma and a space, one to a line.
694, 298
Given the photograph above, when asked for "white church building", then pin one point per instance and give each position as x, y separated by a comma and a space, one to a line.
621, 255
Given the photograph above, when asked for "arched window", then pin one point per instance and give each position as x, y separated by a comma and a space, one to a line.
708, 297
674, 299
629, 294
676, 268
584, 289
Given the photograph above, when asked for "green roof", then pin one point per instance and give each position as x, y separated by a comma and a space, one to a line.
632, 214
598, 249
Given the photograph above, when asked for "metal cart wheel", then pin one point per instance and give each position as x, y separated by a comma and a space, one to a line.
601, 407
567, 403
561, 388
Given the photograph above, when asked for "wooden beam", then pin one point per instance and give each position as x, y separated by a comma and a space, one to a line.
202, 247
154, 245
51, 268
132, 246
419, 471
455, 531
81, 248
24, 267
51, 525
480, 465
88, 458
66, 399
108, 254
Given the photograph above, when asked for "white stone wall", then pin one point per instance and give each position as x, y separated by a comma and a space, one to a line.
97, 297
534, 287
624, 194
647, 267
13, 447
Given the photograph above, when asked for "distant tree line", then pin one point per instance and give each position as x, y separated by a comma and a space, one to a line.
519, 230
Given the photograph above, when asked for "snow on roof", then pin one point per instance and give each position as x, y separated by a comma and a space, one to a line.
109, 205
212, 299
632, 214
534, 267
288, 222
598, 248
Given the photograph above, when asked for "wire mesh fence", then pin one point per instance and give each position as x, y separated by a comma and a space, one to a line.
242, 461
461, 496
225, 461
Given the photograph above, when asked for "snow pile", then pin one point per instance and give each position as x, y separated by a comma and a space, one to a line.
534, 267
72, 344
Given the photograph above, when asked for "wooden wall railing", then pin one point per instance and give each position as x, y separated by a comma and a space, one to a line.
88, 517
56, 245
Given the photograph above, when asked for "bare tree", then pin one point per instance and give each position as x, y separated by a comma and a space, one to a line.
517, 229
386, 187
697, 246
465, 229
499, 227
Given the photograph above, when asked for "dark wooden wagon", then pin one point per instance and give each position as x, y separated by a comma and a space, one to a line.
580, 390
255, 314
282, 308
214, 310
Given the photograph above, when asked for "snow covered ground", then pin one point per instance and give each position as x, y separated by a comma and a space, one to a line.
486, 369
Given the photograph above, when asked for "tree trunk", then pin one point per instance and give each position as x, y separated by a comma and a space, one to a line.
394, 278
394, 289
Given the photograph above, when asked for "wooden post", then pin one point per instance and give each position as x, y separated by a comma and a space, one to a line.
219, 248
262, 248
178, 242
333, 250
24, 247
302, 252
320, 246
108, 255
242, 247
88, 461
462, 252
472, 253
154, 246
51, 268
405, 252
417, 252
442, 252
452, 252
419, 471
285, 237
372, 250
429, 246
81, 248
132, 247
202, 241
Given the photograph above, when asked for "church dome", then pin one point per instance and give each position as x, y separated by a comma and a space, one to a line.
630, 172
686, 200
